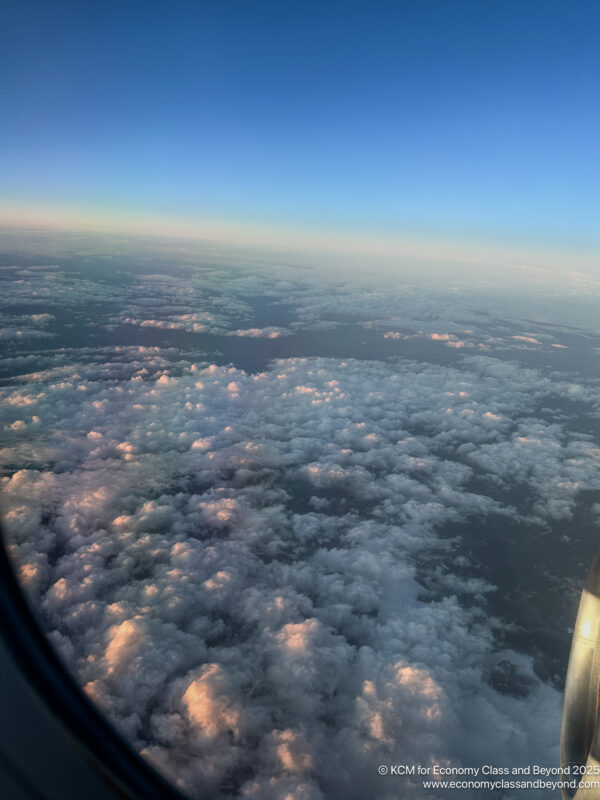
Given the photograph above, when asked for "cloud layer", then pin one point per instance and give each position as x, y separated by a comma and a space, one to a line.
226, 560
229, 560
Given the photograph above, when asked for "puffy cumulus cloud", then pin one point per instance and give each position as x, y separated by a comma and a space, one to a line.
234, 297
198, 322
50, 287
270, 332
190, 297
210, 705
231, 563
538, 456
526, 339
381, 706
487, 338
227, 561
18, 327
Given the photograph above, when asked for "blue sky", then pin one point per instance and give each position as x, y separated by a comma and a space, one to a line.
460, 120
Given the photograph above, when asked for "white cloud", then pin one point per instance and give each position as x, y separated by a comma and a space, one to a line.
229, 562
225, 631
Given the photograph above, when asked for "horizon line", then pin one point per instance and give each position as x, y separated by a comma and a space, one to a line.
433, 249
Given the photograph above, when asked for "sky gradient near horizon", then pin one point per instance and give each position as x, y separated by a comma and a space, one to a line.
455, 120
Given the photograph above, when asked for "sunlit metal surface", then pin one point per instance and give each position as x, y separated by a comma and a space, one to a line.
580, 734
